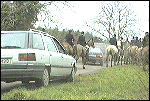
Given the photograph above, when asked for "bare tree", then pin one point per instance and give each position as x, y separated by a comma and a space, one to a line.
115, 17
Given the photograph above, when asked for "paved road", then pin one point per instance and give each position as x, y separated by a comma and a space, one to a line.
90, 69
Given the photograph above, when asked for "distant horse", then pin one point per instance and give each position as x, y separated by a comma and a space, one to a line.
127, 50
112, 51
130, 53
145, 57
81, 51
120, 53
139, 56
133, 54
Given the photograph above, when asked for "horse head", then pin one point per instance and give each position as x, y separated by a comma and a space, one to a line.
90, 43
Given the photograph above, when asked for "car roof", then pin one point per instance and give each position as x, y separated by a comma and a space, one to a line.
44, 33
13, 31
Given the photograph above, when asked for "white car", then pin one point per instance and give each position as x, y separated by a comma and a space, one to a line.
34, 56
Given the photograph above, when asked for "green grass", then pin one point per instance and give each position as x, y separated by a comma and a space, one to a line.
117, 83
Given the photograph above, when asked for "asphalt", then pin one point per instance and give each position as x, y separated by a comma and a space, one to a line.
90, 69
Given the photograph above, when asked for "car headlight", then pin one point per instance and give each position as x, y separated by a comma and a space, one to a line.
99, 56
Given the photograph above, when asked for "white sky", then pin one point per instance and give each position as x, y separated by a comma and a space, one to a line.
87, 10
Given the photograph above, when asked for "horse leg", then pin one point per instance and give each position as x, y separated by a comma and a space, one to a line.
83, 62
124, 59
112, 60
76, 57
118, 59
121, 59
107, 61
115, 59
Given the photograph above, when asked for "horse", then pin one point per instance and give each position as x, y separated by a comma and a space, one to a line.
68, 47
130, 53
145, 57
139, 56
120, 53
127, 50
82, 51
112, 51
133, 54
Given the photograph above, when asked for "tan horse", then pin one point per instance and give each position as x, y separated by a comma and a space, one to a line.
120, 53
127, 49
68, 47
145, 57
133, 54
112, 51
81, 51
139, 56
130, 54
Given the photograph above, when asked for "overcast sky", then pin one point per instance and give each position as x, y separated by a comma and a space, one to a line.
87, 10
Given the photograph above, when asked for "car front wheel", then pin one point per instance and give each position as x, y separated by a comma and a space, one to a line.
44, 81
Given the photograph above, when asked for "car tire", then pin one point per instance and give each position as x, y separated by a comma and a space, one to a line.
44, 81
71, 77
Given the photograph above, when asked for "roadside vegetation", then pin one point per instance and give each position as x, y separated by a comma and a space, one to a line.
128, 82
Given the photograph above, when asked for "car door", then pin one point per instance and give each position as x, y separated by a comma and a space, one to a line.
65, 59
55, 57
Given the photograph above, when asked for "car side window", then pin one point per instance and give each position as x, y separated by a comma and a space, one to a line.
38, 42
60, 48
50, 44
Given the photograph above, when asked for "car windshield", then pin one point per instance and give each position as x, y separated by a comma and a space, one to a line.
95, 50
13, 40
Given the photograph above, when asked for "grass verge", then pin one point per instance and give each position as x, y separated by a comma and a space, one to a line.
118, 83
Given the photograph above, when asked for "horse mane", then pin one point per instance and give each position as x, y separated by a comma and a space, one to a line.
91, 44
90, 40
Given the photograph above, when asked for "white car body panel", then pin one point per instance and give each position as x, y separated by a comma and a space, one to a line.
60, 64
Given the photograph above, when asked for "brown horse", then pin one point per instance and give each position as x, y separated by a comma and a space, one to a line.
68, 47
81, 51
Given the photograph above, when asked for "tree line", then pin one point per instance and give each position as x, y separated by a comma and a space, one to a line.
60, 35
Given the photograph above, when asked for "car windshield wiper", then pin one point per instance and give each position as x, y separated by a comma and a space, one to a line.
10, 47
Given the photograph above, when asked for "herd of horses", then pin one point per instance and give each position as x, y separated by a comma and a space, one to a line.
129, 54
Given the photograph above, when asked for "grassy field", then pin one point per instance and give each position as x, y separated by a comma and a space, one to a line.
117, 83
